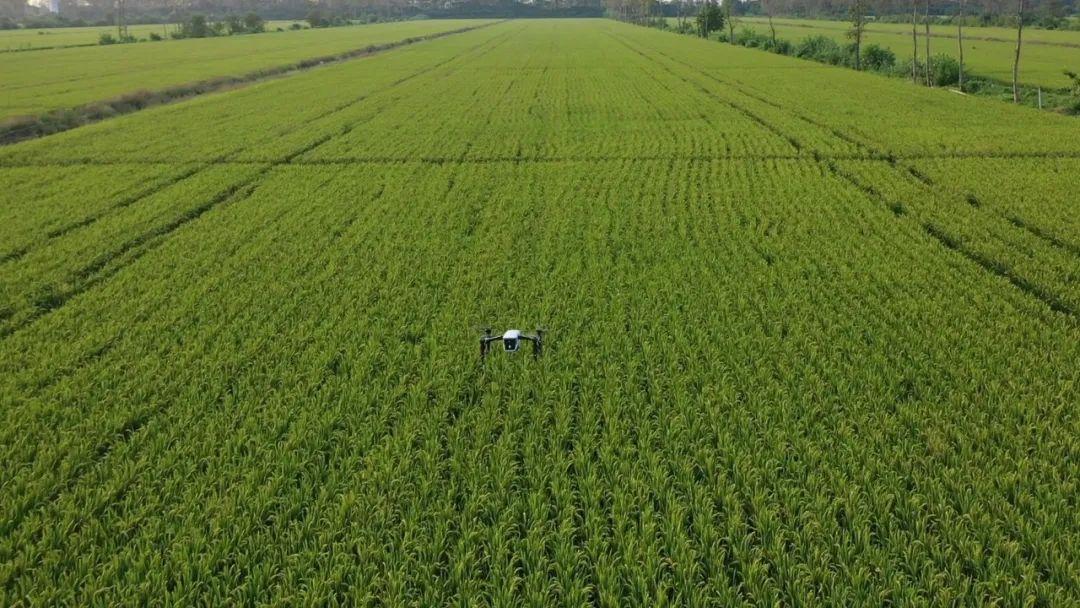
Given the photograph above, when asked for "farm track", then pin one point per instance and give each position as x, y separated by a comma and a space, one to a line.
872, 152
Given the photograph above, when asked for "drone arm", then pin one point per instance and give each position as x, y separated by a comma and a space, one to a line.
537, 342
485, 344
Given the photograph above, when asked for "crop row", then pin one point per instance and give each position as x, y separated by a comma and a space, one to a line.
1023, 255
389, 447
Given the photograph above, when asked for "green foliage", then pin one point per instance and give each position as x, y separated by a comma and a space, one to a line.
686, 27
198, 26
709, 19
988, 51
1075, 80
106, 38
250, 23
317, 18
944, 71
822, 49
750, 38
254, 24
877, 58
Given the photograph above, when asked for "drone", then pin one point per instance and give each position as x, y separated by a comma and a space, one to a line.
511, 341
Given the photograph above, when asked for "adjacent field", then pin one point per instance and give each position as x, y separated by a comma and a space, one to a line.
802, 351
62, 78
988, 51
41, 38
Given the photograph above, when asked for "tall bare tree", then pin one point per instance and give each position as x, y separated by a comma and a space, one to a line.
765, 4
730, 20
1016, 60
858, 26
914, 41
926, 22
960, 43
121, 21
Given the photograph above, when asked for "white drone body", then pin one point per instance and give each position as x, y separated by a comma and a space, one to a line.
511, 340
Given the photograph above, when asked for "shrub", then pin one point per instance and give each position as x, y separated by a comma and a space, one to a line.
1075, 79
686, 27
903, 69
250, 23
197, 27
944, 71
154, 36
752, 39
780, 47
234, 25
877, 58
254, 23
107, 38
315, 18
820, 48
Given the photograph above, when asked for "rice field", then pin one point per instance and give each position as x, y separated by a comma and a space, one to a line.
811, 337
53, 79
57, 37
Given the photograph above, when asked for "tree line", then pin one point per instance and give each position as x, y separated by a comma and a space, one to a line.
21, 13
705, 16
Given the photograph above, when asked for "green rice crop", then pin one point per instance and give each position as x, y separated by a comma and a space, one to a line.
67, 77
59, 37
812, 337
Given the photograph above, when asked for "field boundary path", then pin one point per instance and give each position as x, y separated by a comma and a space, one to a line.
23, 128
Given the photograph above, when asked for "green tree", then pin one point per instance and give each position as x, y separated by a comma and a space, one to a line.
710, 19
254, 23
315, 18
